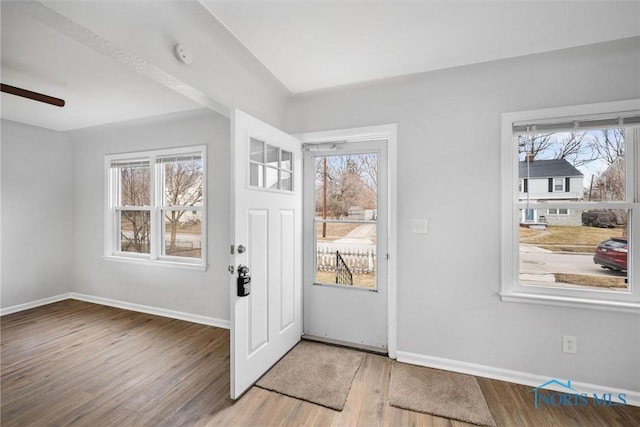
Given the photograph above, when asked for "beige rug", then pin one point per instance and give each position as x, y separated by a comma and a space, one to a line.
441, 393
318, 373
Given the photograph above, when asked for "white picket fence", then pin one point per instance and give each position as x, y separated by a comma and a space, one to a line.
359, 261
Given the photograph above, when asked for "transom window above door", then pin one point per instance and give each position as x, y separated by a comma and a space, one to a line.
269, 166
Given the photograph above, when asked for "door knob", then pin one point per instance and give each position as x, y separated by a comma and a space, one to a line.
241, 249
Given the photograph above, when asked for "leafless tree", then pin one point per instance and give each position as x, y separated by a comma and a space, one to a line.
532, 145
576, 147
183, 184
611, 146
183, 187
350, 181
611, 182
369, 169
135, 224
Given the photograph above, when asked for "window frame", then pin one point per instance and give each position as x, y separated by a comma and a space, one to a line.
557, 212
266, 166
354, 148
156, 208
555, 185
510, 288
523, 185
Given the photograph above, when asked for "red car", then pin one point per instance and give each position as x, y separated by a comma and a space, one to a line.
612, 254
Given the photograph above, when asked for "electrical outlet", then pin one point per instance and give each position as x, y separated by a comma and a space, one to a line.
569, 344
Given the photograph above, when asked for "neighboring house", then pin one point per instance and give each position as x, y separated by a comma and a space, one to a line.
610, 184
550, 180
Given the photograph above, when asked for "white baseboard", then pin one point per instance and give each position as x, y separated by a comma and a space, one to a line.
517, 377
195, 318
33, 304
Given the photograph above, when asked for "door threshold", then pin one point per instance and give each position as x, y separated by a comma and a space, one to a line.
369, 348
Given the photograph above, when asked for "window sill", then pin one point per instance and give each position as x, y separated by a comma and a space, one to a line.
157, 263
562, 301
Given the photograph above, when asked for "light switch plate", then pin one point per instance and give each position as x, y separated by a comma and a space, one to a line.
419, 226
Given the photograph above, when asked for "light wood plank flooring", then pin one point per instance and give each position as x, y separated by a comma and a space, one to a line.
80, 364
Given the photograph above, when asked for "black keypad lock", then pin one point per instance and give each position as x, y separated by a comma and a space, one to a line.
244, 281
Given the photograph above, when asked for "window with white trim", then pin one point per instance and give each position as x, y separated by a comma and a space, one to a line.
589, 255
558, 211
270, 167
558, 184
523, 185
156, 206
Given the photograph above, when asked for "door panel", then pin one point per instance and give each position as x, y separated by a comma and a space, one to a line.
266, 215
257, 240
355, 239
287, 303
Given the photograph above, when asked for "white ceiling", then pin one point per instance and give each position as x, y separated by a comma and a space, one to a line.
305, 45
96, 88
320, 44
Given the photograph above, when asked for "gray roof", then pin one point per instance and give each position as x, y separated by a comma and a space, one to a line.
548, 169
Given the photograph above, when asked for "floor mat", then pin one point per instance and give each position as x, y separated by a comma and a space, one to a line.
318, 373
441, 393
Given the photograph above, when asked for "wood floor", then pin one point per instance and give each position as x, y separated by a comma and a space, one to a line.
81, 364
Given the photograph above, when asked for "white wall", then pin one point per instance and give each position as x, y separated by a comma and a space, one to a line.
449, 132
187, 291
37, 228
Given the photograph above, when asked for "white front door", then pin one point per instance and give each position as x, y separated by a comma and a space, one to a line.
346, 243
266, 235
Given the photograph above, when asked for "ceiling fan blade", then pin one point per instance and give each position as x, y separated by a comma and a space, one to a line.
31, 95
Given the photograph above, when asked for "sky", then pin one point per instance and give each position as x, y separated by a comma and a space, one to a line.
594, 165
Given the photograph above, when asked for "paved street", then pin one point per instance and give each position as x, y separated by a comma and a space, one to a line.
534, 260
358, 239
538, 261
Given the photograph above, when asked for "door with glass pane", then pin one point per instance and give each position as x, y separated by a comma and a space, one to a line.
345, 294
266, 322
